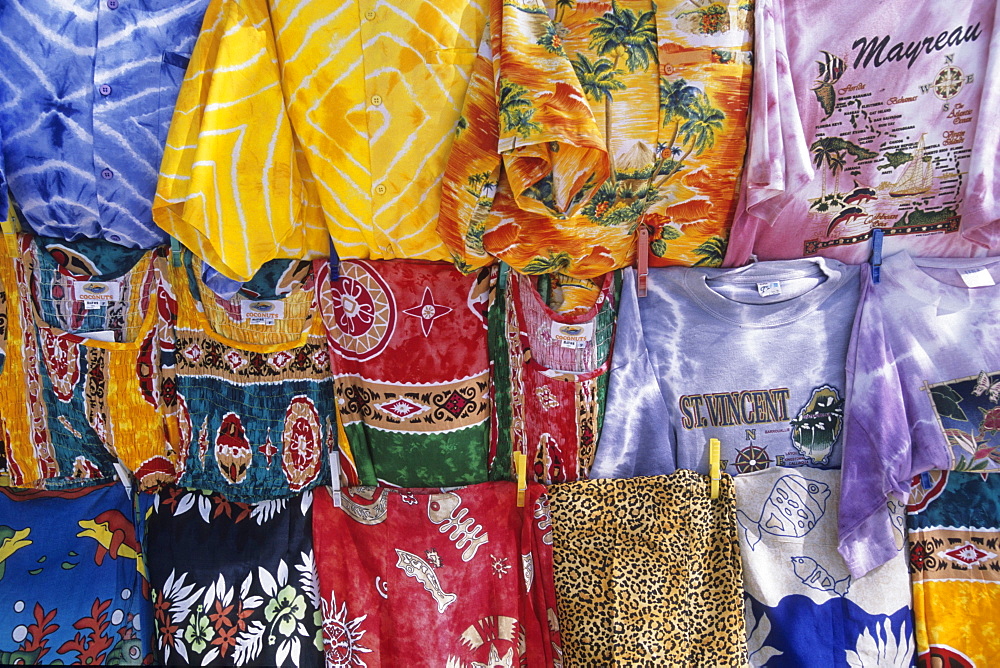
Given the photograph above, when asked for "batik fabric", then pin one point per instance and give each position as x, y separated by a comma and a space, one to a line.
254, 414
550, 379
428, 577
234, 584
582, 118
412, 372
647, 572
390, 77
692, 362
85, 101
869, 116
83, 388
924, 388
72, 578
953, 520
803, 608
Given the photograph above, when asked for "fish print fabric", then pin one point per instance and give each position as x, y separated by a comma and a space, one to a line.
391, 78
412, 373
953, 520
431, 577
85, 101
880, 120
72, 578
647, 572
583, 117
254, 412
550, 379
803, 608
922, 377
85, 386
690, 364
234, 584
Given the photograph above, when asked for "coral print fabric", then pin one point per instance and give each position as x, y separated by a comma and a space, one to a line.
871, 116
803, 608
72, 578
234, 584
582, 117
426, 577
647, 572
255, 415
954, 534
85, 384
409, 356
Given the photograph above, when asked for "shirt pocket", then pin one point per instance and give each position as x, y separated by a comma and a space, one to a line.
173, 65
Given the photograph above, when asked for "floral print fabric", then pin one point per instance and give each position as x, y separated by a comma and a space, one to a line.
233, 583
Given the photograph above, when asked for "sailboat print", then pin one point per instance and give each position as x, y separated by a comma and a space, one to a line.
831, 68
917, 177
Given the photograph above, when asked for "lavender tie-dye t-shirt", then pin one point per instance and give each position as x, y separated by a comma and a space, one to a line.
923, 384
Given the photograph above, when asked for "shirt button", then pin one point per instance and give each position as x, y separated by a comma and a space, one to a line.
107, 173
112, 4
376, 100
105, 89
370, 15
380, 189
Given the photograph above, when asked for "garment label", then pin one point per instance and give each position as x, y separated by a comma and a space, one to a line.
978, 277
262, 312
573, 336
96, 292
771, 289
105, 335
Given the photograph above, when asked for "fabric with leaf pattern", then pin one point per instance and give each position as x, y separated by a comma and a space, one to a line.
234, 584
584, 120
924, 388
72, 578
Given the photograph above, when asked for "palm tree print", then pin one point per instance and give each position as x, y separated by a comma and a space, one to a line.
597, 77
563, 6
546, 265
702, 120
622, 32
516, 110
677, 98
712, 252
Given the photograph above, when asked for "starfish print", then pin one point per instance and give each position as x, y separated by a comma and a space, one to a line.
427, 311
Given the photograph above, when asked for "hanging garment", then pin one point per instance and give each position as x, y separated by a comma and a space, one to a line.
85, 101
954, 521
803, 608
693, 361
880, 120
72, 578
647, 572
549, 379
408, 341
255, 408
234, 584
269, 82
427, 577
599, 114
84, 386
924, 388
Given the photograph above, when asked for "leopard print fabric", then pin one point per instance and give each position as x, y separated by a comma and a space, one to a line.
648, 572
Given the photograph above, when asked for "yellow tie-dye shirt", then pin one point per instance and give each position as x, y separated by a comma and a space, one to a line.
301, 121
584, 120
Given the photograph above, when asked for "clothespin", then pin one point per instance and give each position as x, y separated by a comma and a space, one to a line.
175, 251
642, 261
521, 463
10, 229
925, 480
125, 477
714, 461
876, 260
335, 477
334, 264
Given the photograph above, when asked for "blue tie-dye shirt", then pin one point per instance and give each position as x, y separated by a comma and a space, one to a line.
87, 90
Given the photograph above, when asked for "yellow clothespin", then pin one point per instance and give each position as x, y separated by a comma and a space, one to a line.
521, 463
10, 229
714, 461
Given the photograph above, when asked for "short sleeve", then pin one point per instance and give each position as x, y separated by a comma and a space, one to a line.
635, 438
878, 447
981, 220
231, 184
